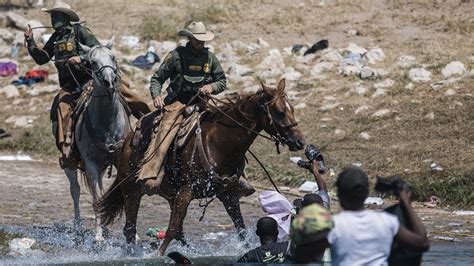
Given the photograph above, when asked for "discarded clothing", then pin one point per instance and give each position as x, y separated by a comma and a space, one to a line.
32, 77
7, 69
321, 45
146, 61
4, 134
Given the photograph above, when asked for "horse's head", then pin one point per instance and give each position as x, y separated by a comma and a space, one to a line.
280, 121
104, 66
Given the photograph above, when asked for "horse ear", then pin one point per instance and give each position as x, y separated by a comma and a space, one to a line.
110, 43
281, 86
85, 48
265, 89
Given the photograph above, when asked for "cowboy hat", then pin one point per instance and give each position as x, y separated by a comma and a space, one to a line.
63, 8
198, 31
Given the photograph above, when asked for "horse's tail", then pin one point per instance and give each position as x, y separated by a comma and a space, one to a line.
110, 206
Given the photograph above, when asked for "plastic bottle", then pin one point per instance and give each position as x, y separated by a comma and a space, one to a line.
157, 232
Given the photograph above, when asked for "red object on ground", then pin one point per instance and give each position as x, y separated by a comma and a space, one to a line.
37, 74
161, 234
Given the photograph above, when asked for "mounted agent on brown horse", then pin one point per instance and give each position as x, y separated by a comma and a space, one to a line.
208, 166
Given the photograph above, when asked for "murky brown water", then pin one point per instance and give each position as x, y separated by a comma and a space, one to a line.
36, 201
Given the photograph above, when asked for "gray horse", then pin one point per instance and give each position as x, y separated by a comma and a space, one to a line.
100, 131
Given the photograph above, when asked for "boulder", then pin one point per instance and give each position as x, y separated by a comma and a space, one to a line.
419, 75
166, 47
6, 35
388, 83
329, 106
262, 43
17, 21
274, 60
330, 55
130, 41
10, 91
253, 48
354, 48
361, 109
374, 55
252, 89
300, 106
238, 45
5, 50
406, 61
348, 70
379, 92
364, 135
40, 90
291, 74
450, 92
270, 73
21, 121
381, 113
319, 68
239, 70
453, 68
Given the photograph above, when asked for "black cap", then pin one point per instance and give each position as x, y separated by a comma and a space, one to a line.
308, 199
353, 183
267, 226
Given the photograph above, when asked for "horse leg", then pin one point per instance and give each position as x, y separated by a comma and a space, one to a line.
232, 206
93, 174
178, 213
75, 194
131, 207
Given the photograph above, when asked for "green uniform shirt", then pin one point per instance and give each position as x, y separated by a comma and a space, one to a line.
210, 67
63, 44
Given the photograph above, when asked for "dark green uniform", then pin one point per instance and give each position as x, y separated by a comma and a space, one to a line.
62, 45
188, 72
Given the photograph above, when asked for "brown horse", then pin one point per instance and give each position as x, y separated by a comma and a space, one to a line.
226, 135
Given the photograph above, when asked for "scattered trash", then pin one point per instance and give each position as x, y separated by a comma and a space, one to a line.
321, 45
295, 159
463, 213
454, 224
157, 232
436, 167
434, 201
445, 238
22, 247
31, 77
4, 134
332, 173
15, 158
352, 59
353, 32
357, 164
308, 187
373, 200
146, 61
296, 48
284, 188
7, 69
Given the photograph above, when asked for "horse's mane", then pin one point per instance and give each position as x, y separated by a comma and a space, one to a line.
231, 103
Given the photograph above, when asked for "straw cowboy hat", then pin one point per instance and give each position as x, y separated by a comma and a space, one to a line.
63, 8
197, 30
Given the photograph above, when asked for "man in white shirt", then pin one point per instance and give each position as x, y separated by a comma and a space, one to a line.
364, 237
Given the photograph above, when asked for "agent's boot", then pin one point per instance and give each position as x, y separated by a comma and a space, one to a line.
245, 188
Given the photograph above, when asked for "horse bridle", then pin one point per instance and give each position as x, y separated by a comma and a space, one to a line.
276, 124
100, 77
